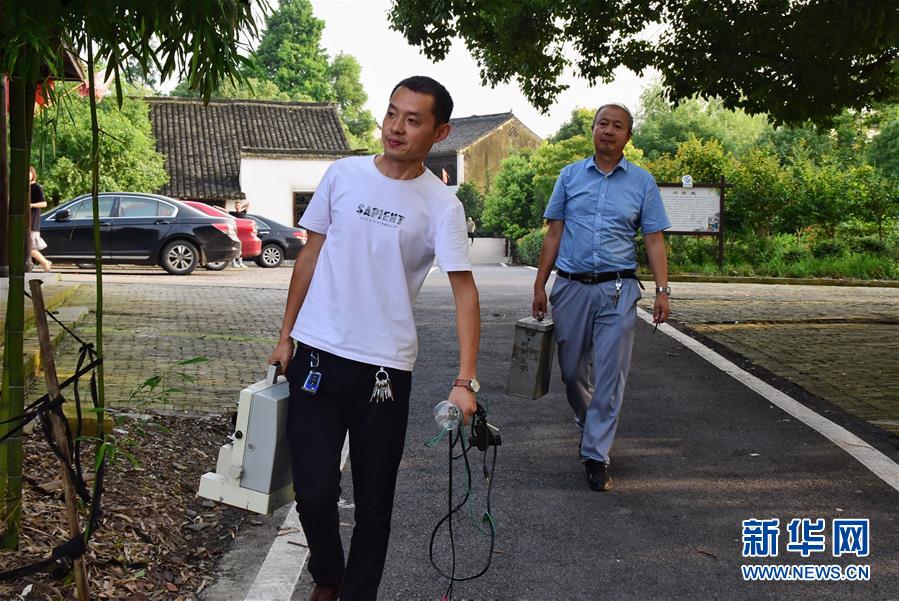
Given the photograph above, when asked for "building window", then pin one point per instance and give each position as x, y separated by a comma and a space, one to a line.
300, 204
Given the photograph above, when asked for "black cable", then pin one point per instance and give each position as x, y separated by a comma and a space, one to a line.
449, 503
448, 518
64, 555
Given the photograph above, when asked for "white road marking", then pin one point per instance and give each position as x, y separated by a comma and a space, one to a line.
529, 267
277, 578
882, 466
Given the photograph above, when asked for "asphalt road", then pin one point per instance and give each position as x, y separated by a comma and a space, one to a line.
697, 452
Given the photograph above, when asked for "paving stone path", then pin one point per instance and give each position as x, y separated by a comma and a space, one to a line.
839, 343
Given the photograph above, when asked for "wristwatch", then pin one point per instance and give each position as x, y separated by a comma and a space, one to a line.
665, 289
473, 385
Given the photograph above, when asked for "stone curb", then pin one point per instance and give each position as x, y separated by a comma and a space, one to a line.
714, 279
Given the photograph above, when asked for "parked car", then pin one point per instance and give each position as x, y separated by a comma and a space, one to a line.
140, 229
250, 244
279, 242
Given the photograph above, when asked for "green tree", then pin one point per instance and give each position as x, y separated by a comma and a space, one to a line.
874, 198
128, 157
818, 196
884, 148
792, 60
845, 139
759, 194
511, 207
345, 72
662, 127
290, 53
290, 56
706, 161
579, 124
472, 201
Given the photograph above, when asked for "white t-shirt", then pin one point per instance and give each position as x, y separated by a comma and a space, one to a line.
382, 237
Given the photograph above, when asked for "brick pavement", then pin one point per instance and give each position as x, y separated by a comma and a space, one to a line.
152, 321
838, 343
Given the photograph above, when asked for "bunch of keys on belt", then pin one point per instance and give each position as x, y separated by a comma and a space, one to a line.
617, 294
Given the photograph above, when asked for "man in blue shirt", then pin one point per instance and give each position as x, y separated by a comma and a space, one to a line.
596, 208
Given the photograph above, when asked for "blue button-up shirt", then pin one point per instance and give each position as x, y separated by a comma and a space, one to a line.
602, 214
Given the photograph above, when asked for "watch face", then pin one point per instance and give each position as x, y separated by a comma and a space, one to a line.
475, 385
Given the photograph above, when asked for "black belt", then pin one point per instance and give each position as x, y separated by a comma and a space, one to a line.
597, 278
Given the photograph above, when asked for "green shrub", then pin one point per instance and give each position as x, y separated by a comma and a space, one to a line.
869, 244
857, 266
749, 248
686, 254
528, 247
828, 247
795, 255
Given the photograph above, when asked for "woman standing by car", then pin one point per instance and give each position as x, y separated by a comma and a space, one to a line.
38, 202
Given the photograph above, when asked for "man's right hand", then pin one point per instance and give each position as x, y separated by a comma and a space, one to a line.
282, 354
538, 307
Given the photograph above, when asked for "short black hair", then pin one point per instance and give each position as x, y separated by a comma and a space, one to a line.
422, 84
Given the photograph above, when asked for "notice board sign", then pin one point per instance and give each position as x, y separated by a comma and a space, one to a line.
696, 209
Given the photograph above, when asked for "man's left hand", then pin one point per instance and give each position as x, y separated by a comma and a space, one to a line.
465, 400
661, 310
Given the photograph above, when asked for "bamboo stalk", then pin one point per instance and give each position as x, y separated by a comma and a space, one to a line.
21, 102
95, 199
59, 432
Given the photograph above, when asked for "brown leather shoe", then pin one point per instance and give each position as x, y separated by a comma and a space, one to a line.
325, 593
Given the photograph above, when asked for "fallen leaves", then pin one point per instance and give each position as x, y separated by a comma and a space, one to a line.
156, 540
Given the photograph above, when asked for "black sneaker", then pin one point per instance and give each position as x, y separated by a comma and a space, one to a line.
598, 477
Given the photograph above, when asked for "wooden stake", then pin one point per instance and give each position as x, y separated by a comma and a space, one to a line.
59, 431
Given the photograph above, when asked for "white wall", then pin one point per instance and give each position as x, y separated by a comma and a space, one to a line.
269, 184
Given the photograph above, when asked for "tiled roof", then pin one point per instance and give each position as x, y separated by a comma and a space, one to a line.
467, 130
202, 143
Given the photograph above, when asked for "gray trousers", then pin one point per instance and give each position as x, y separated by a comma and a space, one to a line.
595, 336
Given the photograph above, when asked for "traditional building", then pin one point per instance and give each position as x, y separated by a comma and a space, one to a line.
272, 154
476, 146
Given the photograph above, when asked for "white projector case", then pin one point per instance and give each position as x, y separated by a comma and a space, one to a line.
253, 469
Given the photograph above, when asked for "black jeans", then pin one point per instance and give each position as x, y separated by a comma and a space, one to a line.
316, 428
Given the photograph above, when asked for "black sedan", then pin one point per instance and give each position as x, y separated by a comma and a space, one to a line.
141, 229
279, 242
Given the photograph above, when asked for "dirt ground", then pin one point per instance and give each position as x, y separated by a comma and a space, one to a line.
156, 539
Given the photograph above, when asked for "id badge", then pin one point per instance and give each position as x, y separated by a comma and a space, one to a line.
313, 378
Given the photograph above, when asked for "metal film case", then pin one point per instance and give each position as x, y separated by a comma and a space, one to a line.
532, 358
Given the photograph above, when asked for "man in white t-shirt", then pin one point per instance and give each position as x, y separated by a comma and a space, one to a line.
375, 225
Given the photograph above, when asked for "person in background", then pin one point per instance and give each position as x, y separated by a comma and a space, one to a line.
240, 208
240, 211
470, 224
38, 202
595, 210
